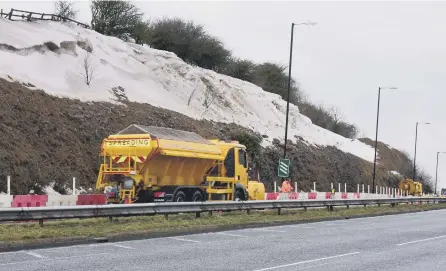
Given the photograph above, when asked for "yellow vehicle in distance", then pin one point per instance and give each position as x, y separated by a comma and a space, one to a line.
148, 163
411, 188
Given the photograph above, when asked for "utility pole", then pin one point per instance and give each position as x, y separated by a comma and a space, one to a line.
415, 154
436, 173
289, 82
376, 135
376, 140
289, 90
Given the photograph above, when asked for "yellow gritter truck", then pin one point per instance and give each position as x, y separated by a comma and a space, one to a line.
147, 163
409, 187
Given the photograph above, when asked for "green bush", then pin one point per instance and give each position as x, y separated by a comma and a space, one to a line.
188, 41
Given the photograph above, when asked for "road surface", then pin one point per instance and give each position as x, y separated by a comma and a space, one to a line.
406, 242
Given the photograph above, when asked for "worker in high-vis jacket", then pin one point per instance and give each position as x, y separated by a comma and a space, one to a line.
286, 187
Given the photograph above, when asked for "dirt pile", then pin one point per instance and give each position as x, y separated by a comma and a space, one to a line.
45, 138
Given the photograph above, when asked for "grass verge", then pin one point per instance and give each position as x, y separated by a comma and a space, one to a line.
153, 226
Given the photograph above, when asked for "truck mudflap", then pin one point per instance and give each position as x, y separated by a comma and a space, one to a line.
162, 196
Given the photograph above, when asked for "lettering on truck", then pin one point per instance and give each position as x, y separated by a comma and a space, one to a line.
128, 142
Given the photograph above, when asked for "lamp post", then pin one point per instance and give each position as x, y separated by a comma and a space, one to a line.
289, 82
376, 135
436, 172
415, 154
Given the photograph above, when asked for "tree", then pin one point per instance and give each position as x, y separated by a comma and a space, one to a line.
65, 9
141, 32
87, 71
115, 18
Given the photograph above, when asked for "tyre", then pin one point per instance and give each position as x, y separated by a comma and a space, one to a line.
197, 196
239, 196
180, 197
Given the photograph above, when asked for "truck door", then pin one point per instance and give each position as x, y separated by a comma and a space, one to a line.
230, 163
241, 168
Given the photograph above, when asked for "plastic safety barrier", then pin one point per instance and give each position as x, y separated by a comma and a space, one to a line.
61, 200
29, 201
312, 195
98, 199
5, 201
271, 196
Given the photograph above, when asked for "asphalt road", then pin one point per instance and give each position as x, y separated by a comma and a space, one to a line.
406, 242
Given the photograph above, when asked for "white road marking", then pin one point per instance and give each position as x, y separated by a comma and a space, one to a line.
298, 226
230, 234
121, 246
271, 230
54, 259
422, 240
330, 224
34, 254
308, 261
184, 239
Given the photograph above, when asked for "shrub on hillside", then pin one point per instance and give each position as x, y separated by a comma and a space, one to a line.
115, 18
65, 9
239, 68
188, 41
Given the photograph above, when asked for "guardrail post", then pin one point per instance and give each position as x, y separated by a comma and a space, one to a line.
278, 210
110, 219
197, 214
210, 213
166, 216
41, 222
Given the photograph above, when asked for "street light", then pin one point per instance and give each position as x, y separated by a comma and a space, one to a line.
376, 136
436, 172
289, 81
415, 155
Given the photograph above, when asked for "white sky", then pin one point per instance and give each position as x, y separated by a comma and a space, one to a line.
355, 48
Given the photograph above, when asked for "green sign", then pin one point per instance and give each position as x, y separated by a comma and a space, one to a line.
284, 168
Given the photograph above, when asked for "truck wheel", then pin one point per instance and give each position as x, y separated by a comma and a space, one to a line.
197, 196
180, 196
238, 196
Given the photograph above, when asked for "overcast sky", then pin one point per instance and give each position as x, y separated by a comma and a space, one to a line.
355, 48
